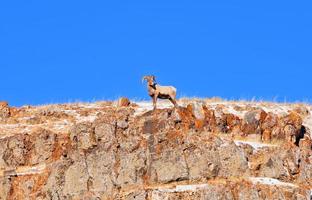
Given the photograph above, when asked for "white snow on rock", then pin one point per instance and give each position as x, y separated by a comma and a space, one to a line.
79, 118
254, 145
30, 170
231, 110
270, 181
144, 106
183, 188
89, 118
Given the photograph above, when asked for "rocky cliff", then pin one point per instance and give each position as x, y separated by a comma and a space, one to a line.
205, 149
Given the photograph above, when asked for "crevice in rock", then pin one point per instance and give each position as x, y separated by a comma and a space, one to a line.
302, 131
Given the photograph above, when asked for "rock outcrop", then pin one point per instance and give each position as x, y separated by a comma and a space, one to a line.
123, 150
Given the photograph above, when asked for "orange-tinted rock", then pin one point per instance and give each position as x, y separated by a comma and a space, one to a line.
305, 143
294, 119
266, 135
232, 121
4, 104
104, 152
210, 118
252, 121
302, 110
123, 102
199, 124
277, 133
290, 133
270, 121
4, 110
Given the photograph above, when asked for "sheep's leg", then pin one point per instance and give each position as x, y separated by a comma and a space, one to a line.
174, 102
154, 101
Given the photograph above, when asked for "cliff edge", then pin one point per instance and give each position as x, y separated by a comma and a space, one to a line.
204, 149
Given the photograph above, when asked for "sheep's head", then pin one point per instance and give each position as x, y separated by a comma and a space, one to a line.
150, 79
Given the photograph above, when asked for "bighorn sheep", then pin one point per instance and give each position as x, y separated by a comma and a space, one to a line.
162, 92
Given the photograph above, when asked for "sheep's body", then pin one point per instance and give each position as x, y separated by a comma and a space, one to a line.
162, 92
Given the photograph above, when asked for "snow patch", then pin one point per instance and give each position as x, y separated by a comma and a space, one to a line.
277, 109
79, 118
61, 124
30, 170
183, 188
231, 110
144, 106
90, 118
270, 181
255, 145
90, 106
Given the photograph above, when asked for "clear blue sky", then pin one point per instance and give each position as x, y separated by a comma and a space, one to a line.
61, 51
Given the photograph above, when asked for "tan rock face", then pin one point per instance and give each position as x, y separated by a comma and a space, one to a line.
197, 151
4, 110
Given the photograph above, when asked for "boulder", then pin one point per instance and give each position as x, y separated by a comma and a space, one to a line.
252, 121
123, 102
198, 111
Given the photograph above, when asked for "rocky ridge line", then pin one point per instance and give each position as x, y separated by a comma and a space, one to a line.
123, 150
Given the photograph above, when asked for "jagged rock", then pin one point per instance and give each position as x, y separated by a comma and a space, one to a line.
202, 163
305, 168
266, 135
53, 188
5, 187
53, 112
277, 133
42, 146
270, 121
279, 164
233, 161
123, 124
3, 147
76, 178
175, 116
4, 110
302, 110
293, 119
252, 121
83, 135
290, 133
100, 165
255, 117
16, 151
100, 151
198, 112
105, 134
169, 166
137, 195
131, 168
305, 144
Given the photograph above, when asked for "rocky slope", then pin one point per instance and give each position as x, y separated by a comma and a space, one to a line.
120, 150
